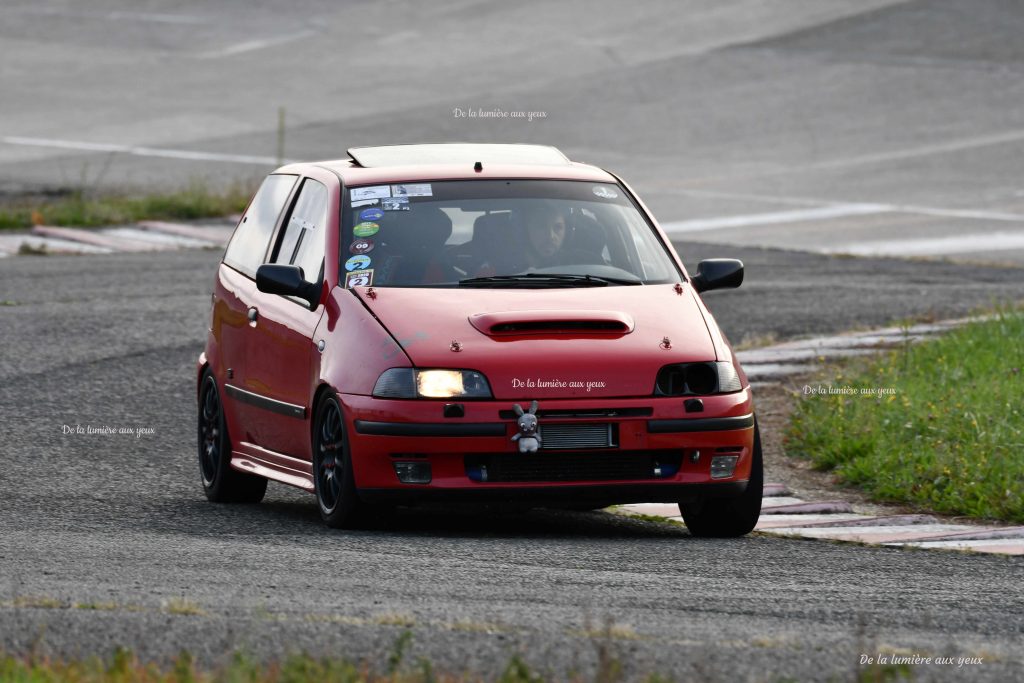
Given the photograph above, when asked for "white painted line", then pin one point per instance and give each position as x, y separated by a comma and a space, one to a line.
817, 203
115, 16
767, 198
866, 533
923, 151
252, 45
778, 501
191, 155
11, 244
789, 521
977, 214
797, 356
95, 238
162, 239
210, 234
760, 371
936, 246
998, 545
776, 217
156, 18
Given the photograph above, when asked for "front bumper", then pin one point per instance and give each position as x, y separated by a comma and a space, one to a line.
660, 452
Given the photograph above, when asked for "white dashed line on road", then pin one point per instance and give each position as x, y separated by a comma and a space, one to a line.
252, 45
186, 154
776, 217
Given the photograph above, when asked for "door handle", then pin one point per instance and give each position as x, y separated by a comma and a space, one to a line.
253, 314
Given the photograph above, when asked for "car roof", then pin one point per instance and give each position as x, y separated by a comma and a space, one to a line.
455, 161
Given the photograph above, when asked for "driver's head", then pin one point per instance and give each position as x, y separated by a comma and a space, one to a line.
545, 228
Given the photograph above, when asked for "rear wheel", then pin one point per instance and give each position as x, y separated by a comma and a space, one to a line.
729, 517
221, 483
333, 478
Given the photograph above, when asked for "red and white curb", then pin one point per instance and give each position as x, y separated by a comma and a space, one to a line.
785, 515
770, 363
142, 236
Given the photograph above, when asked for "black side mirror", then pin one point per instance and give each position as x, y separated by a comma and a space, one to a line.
274, 278
717, 273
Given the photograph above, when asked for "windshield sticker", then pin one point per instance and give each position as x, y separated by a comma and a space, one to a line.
361, 246
371, 215
395, 204
419, 190
365, 202
358, 262
359, 278
366, 229
375, 192
605, 193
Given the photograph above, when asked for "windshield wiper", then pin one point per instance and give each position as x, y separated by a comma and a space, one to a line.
538, 280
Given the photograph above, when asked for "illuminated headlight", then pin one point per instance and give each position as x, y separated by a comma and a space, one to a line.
413, 383
440, 383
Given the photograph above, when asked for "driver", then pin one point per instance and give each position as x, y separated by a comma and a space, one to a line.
546, 230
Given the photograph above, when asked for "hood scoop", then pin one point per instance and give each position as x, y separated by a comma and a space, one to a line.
547, 323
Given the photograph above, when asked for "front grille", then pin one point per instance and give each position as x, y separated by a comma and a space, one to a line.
583, 413
538, 467
578, 436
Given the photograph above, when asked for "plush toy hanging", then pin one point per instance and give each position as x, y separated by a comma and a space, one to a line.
527, 436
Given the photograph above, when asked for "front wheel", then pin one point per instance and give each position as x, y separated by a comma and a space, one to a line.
333, 478
729, 517
221, 483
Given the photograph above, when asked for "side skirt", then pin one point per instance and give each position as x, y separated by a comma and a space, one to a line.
272, 465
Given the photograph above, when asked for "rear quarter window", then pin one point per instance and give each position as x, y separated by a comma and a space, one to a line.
248, 245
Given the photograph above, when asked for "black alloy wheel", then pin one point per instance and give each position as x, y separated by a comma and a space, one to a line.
221, 483
333, 479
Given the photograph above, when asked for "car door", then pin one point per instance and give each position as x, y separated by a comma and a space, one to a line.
280, 371
235, 293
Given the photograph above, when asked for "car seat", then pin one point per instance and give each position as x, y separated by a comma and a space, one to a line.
411, 245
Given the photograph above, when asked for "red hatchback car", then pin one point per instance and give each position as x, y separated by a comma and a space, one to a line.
466, 322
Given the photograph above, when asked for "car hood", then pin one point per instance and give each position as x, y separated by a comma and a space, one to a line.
548, 343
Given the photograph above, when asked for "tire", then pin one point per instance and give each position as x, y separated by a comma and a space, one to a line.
221, 483
333, 478
729, 517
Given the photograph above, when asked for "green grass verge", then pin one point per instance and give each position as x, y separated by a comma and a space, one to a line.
951, 436
87, 210
124, 667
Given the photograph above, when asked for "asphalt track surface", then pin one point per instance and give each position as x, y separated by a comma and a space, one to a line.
706, 112
120, 521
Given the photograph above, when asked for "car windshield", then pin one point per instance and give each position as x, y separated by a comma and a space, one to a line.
499, 233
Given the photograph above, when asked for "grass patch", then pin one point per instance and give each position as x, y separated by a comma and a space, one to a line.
26, 249
394, 667
946, 432
396, 620
87, 209
97, 606
35, 602
182, 606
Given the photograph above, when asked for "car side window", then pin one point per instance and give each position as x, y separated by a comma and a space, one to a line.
303, 241
248, 245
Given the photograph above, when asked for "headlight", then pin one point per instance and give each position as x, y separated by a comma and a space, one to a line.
697, 379
413, 383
